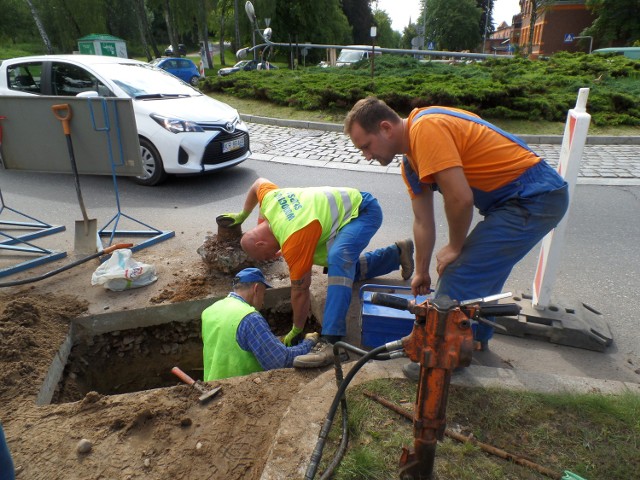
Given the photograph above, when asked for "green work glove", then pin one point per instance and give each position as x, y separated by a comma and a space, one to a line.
288, 338
235, 218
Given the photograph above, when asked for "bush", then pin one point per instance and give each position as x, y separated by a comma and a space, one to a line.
514, 88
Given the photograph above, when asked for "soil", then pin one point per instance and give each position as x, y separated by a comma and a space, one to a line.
159, 433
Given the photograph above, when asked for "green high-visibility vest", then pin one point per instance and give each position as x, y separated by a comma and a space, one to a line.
221, 354
290, 209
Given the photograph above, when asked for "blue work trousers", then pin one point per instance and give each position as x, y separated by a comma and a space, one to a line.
521, 214
347, 263
6, 463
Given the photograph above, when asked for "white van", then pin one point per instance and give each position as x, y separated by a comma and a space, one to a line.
348, 56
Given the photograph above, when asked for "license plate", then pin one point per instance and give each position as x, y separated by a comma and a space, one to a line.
232, 145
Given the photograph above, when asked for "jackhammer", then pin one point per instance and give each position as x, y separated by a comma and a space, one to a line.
441, 341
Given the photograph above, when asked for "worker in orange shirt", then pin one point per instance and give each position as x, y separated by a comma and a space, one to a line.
324, 226
471, 163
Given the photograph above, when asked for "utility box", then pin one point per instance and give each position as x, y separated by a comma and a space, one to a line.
380, 324
101, 44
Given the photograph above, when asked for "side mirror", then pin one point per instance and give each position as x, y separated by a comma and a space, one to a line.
88, 94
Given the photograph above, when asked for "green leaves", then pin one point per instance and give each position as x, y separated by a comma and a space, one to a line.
496, 88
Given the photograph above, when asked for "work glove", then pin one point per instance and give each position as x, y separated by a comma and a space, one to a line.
236, 218
314, 337
288, 338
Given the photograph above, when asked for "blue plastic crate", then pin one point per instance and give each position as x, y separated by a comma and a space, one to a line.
380, 325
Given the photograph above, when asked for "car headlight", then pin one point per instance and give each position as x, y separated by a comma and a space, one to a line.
176, 125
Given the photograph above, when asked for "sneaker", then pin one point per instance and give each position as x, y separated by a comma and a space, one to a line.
319, 356
406, 257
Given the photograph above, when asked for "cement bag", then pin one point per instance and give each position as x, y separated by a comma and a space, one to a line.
121, 272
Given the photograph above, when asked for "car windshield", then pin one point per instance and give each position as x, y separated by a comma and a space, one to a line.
155, 61
350, 56
144, 81
242, 63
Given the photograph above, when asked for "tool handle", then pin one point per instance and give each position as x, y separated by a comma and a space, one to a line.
63, 113
391, 301
182, 376
115, 247
500, 310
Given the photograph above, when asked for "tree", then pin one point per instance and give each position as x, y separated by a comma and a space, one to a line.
614, 26
300, 21
16, 22
453, 26
359, 16
43, 33
386, 36
486, 20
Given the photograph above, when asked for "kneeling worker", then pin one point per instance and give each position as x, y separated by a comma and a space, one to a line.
237, 339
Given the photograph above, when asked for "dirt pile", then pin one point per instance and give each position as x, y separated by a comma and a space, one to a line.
153, 434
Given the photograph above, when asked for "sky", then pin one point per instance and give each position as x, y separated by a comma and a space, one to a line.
401, 11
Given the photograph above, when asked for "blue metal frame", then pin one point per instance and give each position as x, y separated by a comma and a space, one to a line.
15, 242
155, 234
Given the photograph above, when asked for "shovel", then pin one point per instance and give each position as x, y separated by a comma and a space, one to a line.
197, 384
86, 231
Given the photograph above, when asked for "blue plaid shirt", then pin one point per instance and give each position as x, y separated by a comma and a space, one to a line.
255, 336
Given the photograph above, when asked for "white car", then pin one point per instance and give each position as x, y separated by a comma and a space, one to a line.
181, 130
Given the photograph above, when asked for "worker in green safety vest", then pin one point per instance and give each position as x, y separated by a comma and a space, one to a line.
237, 339
325, 226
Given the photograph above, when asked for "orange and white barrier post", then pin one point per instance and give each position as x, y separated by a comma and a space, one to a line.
575, 137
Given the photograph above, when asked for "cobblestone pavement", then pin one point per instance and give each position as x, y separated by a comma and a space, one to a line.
601, 164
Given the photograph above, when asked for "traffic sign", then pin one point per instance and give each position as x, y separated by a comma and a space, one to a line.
568, 37
431, 46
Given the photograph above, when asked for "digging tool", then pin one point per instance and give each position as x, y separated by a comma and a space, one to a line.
197, 384
86, 231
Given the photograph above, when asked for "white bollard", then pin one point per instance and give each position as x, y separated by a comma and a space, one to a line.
575, 137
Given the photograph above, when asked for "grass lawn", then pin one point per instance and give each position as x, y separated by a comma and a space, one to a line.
593, 436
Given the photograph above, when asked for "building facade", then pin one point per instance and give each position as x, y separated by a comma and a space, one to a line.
555, 27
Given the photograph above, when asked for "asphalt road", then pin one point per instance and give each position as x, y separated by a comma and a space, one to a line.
600, 264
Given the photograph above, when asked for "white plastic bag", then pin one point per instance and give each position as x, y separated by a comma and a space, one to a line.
121, 272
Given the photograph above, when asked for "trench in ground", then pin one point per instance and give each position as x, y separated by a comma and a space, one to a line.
126, 360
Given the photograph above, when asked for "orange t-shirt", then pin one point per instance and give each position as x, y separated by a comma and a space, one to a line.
438, 141
299, 248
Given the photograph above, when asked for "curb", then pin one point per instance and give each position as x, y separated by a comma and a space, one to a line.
532, 139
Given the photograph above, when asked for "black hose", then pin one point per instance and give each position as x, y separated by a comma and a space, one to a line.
316, 456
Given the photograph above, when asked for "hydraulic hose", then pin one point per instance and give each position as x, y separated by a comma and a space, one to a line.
379, 353
105, 251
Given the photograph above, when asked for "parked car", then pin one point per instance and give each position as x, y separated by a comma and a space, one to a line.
182, 50
629, 52
181, 130
247, 65
182, 68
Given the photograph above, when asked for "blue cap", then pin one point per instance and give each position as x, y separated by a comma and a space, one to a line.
250, 275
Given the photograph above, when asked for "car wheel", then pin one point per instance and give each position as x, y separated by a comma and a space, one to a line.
154, 173
194, 81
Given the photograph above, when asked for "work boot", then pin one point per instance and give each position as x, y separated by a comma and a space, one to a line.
412, 371
319, 356
406, 257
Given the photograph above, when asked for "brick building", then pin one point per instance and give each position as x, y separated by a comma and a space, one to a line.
555, 27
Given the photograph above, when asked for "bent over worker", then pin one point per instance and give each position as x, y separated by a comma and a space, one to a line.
237, 339
470, 162
325, 226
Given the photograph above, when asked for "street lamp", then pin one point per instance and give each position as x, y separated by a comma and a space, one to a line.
590, 41
373, 32
265, 34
